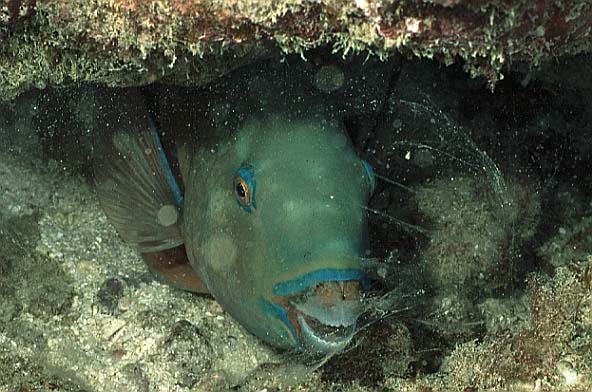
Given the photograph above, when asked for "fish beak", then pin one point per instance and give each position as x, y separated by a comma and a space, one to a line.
322, 316
327, 316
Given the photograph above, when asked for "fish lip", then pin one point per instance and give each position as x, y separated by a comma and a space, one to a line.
324, 344
337, 315
317, 324
306, 281
325, 328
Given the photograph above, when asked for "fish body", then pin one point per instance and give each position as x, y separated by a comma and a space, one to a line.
264, 213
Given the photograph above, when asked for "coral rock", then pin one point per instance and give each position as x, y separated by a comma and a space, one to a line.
123, 42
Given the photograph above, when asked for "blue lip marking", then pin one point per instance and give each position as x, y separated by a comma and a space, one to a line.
167, 166
282, 315
323, 275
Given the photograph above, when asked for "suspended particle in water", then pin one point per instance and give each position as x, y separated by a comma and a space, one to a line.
329, 78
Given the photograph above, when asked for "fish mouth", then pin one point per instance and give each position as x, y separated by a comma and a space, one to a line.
327, 317
322, 314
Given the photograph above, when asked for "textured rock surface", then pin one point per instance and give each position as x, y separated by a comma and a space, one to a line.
126, 42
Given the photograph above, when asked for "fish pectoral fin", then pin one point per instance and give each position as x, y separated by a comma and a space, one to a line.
172, 266
134, 181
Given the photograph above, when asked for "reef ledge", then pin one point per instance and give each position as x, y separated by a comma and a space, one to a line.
135, 42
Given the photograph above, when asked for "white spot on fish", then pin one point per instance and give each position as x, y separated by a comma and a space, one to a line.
167, 215
220, 252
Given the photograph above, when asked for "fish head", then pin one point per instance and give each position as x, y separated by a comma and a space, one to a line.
286, 232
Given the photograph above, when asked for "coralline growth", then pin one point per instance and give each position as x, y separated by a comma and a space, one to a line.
134, 42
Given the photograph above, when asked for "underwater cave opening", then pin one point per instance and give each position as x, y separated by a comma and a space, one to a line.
492, 187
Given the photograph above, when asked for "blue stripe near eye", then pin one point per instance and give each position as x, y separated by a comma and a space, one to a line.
323, 275
371, 177
170, 177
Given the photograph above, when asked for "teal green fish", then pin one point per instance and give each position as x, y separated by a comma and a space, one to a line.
266, 214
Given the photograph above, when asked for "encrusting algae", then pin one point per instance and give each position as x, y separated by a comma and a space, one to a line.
50, 43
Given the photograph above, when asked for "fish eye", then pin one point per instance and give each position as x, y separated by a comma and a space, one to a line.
244, 188
370, 175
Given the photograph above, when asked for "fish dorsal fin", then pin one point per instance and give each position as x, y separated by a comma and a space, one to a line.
135, 183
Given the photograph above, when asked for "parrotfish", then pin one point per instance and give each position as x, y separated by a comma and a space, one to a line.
266, 214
